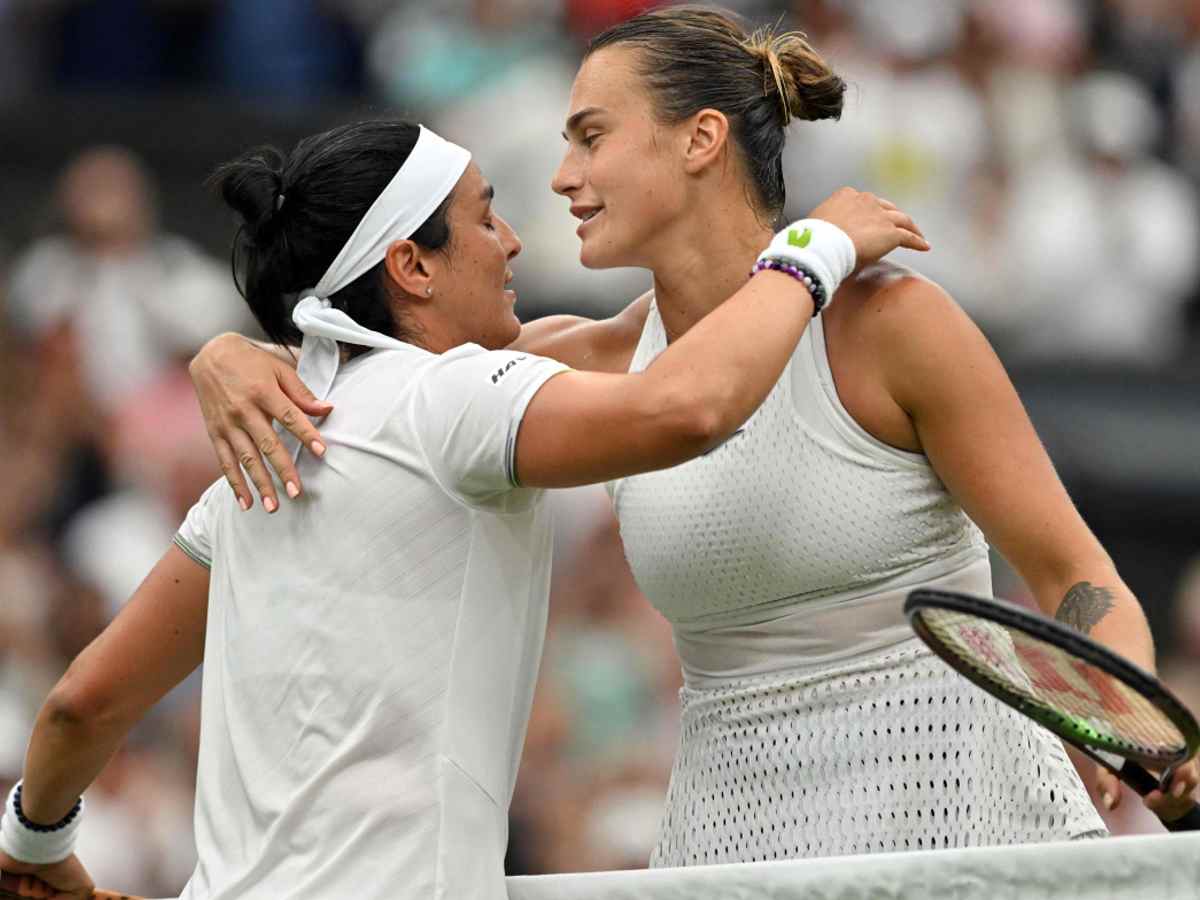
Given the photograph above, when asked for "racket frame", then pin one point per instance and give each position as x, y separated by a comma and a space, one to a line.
1127, 767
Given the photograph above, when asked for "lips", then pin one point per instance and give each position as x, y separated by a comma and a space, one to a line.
581, 211
588, 215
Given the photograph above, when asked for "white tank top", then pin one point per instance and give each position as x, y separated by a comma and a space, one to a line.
792, 544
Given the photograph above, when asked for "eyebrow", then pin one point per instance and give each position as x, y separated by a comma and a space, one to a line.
576, 118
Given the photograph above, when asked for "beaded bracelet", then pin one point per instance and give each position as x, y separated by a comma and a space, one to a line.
801, 273
44, 829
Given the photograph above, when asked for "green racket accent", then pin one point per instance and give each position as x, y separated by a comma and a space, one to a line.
1061, 679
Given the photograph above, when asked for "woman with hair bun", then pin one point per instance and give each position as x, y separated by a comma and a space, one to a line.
814, 723
369, 658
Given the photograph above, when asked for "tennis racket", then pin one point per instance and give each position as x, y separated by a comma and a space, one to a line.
1117, 714
10, 890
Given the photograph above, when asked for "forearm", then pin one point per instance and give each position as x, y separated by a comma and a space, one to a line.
728, 362
1094, 600
66, 754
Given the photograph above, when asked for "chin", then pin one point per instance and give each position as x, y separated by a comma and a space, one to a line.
592, 257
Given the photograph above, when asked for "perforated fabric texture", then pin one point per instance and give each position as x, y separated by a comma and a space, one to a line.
801, 504
898, 753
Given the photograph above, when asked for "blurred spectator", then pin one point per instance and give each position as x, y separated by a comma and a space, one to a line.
1049, 148
289, 52
128, 300
499, 82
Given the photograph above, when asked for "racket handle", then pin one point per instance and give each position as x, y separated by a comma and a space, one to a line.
10, 890
1144, 783
1189, 821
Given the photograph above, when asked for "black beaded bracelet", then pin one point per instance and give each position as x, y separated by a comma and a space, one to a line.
801, 273
44, 829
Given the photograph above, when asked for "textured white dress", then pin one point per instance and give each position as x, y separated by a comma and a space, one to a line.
814, 723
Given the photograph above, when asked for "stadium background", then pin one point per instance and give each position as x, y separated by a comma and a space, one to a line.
1049, 148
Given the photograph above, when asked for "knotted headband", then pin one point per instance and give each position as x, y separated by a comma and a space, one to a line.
417, 189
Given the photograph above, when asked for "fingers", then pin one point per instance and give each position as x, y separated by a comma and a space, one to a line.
1109, 787
249, 458
233, 473
298, 392
912, 241
295, 420
277, 454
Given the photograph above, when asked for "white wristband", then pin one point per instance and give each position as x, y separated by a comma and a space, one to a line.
818, 246
38, 847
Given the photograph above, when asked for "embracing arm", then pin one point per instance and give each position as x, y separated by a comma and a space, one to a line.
971, 424
243, 385
153, 644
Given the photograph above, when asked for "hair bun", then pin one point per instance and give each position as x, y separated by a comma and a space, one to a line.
252, 186
807, 88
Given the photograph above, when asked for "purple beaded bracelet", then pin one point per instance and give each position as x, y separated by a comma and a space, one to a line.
801, 273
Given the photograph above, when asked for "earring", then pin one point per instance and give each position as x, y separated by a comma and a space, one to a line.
428, 292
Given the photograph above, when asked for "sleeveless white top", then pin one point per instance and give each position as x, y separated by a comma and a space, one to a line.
813, 722
792, 544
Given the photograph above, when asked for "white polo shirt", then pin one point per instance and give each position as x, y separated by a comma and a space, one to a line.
371, 648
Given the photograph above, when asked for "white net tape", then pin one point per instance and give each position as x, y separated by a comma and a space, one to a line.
1133, 868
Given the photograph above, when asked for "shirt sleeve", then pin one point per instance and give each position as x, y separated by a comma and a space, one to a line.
468, 409
195, 536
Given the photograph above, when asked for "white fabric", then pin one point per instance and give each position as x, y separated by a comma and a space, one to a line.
800, 506
819, 246
1160, 867
892, 752
781, 559
417, 189
31, 846
371, 648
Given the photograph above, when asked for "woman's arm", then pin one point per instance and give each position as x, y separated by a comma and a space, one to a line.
152, 645
245, 385
940, 369
586, 427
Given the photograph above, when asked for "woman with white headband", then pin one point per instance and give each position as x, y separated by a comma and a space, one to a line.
892, 445
369, 655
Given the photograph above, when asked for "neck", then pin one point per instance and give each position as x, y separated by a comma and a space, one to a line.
709, 261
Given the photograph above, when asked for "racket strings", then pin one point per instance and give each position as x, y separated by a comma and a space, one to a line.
1100, 709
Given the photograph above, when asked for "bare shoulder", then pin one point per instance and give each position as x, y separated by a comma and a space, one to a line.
895, 339
884, 295
596, 345
907, 329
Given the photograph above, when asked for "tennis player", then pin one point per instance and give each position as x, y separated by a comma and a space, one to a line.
889, 454
370, 657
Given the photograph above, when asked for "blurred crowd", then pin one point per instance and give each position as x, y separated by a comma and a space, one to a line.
1049, 148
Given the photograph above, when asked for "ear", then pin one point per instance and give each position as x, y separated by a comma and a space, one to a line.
706, 133
408, 268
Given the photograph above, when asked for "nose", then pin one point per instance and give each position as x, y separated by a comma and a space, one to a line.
508, 238
567, 178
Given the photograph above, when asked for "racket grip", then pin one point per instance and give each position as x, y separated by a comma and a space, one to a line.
1189, 821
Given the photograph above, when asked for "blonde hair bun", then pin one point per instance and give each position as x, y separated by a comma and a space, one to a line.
807, 88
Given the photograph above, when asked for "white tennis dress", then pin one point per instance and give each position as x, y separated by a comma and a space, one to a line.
814, 723
371, 649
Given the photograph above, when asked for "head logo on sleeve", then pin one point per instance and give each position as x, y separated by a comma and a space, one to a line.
508, 365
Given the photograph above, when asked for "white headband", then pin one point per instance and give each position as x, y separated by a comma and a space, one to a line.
415, 191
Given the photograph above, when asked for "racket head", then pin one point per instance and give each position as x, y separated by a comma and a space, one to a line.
1064, 680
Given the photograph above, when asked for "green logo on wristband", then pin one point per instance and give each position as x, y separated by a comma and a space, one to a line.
799, 240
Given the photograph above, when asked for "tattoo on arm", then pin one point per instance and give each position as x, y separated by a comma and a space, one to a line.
1084, 606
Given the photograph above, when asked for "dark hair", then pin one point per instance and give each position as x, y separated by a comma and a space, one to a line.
298, 210
695, 58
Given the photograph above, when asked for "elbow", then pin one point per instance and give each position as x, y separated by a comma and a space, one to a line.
73, 708
693, 423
